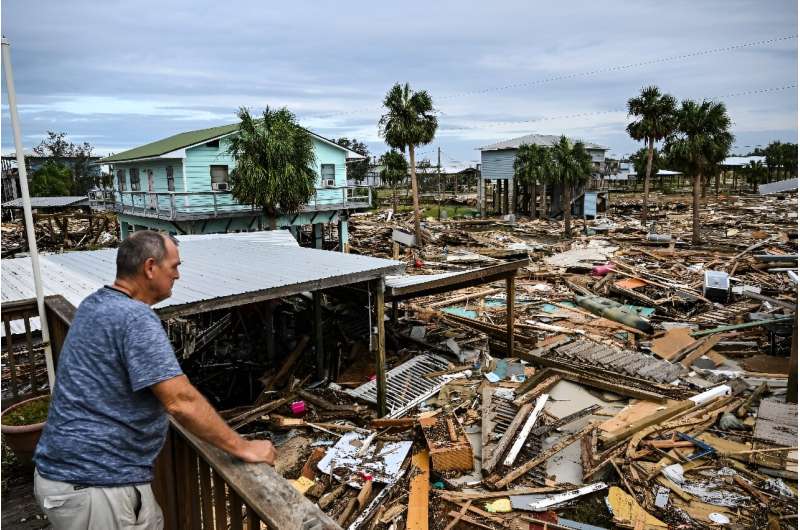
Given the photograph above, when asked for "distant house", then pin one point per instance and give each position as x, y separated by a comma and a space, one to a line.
181, 185
34, 162
497, 169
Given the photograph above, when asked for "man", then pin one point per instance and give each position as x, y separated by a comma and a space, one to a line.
117, 378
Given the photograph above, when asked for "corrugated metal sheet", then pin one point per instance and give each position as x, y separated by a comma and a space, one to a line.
742, 161
778, 187
49, 202
212, 267
404, 280
498, 164
547, 140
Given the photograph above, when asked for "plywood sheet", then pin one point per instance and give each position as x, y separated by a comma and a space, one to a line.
673, 341
776, 423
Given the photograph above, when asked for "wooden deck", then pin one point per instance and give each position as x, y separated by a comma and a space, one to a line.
20, 510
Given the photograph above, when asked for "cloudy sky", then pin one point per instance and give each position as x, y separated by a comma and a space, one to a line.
120, 74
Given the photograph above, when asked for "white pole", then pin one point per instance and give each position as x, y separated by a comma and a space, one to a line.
26, 207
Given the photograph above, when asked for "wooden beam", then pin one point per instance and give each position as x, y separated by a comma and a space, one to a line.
380, 357
419, 489
318, 338
510, 291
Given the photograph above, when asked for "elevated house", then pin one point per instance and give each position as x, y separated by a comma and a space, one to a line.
181, 185
497, 172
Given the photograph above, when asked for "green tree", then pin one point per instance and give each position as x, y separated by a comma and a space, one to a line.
789, 159
755, 172
275, 162
656, 120
51, 180
572, 167
640, 159
533, 166
395, 169
409, 121
700, 142
76, 156
356, 169
774, 157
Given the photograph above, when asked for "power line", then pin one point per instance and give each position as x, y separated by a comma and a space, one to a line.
611, 111
615, 68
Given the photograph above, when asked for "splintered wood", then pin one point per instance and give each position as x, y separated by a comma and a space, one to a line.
448, 444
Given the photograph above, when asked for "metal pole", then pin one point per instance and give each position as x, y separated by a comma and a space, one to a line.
26, 207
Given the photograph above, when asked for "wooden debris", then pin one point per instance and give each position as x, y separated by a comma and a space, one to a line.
447, 454
418, 492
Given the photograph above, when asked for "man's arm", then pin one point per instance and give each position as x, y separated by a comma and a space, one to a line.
188, 406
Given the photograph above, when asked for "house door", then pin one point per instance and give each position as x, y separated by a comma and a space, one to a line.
151, 185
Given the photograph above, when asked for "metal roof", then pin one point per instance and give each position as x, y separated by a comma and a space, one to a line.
778, 187
547, 140
413, 286
217, 271
742, 161
188, 139
49, 202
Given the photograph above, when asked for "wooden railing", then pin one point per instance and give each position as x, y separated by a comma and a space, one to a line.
198, 486
201, 487
24, 367
177, 205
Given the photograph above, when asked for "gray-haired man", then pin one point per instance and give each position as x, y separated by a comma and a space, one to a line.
117, 378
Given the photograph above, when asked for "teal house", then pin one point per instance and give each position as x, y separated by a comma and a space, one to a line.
181, 185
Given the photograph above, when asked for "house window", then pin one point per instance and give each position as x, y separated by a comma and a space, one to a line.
219, 178
214, 144
170, 179
121, 179
135, 179
328, 175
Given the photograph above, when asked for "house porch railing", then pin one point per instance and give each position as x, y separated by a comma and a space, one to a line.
178, 206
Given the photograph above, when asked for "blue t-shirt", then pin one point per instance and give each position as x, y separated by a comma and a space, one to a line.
105, 426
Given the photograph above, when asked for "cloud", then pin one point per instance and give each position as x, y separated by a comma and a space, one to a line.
122, 74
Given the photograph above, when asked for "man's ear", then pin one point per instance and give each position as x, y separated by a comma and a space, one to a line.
149, 265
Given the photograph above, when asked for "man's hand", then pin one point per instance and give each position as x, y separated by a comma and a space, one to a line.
255, 451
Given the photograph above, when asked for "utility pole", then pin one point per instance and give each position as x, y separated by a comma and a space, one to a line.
26, 208
439, 178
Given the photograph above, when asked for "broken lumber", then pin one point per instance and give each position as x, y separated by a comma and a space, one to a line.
525, 431
514, 474
508, 436
657, 417
539, 389
419, 490
447, 454
288, 365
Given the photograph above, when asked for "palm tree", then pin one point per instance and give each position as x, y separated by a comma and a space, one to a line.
395, 169
409, 122
533, 165
572, 167
774, 156
755, 172
700, 141
275, 163
656, 120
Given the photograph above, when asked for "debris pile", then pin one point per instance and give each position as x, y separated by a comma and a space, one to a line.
646, 387
62, 231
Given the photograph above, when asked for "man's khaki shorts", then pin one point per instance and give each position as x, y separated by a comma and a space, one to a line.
70, 507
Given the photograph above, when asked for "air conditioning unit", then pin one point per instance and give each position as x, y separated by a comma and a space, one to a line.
329, 183
220, 186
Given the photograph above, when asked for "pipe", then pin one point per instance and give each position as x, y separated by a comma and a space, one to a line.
26, 208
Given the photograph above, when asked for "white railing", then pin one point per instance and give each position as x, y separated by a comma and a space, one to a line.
176, 205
